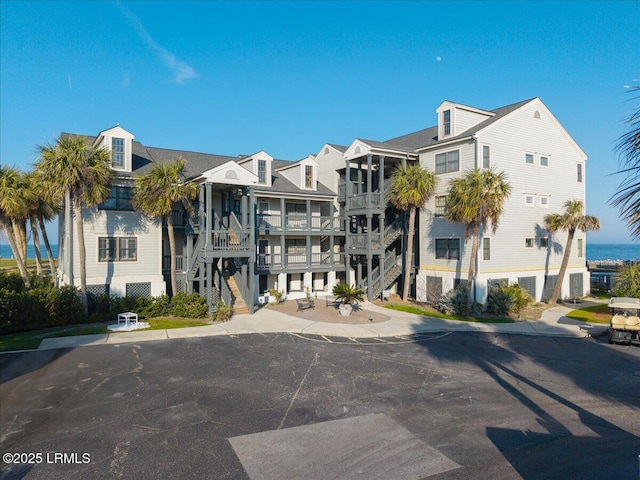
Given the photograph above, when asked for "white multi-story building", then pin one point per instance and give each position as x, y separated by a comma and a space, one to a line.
302, 226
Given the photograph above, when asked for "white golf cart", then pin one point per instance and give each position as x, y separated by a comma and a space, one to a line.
625, 320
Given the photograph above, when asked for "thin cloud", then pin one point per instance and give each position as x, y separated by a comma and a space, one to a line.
181, 71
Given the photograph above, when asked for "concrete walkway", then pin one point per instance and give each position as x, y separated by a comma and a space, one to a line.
552, 323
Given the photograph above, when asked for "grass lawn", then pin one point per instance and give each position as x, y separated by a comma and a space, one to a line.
436, 314
31, 340
593, 314
166, 323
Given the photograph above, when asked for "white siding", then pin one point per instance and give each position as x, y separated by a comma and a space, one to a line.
328, 166
510, 138
100, 223
465, 119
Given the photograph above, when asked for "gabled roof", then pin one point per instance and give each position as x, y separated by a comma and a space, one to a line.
199, 163
429, 136
340, 148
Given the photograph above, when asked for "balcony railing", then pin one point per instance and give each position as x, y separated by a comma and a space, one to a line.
359, 241
230, 240
267, 261
179, 218
298, 223
180, 263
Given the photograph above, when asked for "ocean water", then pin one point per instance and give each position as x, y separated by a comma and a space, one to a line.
5, 251
595, 251
613, 251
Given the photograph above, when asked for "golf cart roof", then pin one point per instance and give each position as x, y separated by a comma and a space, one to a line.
624, 302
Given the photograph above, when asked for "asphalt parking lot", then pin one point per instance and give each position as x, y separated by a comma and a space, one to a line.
277, 406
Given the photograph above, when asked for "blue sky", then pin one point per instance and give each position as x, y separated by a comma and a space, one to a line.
287, 77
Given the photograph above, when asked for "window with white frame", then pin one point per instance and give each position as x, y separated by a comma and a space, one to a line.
441, 206
529, 200
486, 248
262, 171
448, 162
544, 161
486, 156
544, 242
579, 172
446, 123
528, 158
117, 152
580, 248
308, 176
528, 242
448, 248
117, 249
544, 201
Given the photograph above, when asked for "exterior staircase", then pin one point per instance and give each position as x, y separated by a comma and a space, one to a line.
391, 273
196, 260
239, 305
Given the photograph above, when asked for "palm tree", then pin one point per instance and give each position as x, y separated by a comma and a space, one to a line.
410, 188
33, 220
155, 193
12, 206
627, 197
44, 209
477, 199
83, 172
571, 220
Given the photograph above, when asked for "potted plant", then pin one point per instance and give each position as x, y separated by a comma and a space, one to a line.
347, 295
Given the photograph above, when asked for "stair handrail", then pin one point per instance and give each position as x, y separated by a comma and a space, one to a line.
197, 253
244, 289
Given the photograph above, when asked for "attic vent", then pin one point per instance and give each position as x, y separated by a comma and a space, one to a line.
536, 114
357, 150
326, 151
230, 174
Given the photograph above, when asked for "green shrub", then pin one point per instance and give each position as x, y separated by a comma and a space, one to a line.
223, 312
506, 299
39, 308
99, 308
277, 295
64, 306
159, 306
12, 282
139, 305
189, 305
456, 302
347, 294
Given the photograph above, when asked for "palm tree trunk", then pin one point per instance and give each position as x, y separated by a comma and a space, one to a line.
77, 212
36, 243
20, 237
47, 245
172, 251
407, 262
563, 268
471, 276
16, 253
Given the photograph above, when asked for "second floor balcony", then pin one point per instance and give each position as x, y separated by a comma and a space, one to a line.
298, 223
277, 261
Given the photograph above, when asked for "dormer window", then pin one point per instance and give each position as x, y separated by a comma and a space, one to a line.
308, 176
446, 123
262, 171
117, 152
